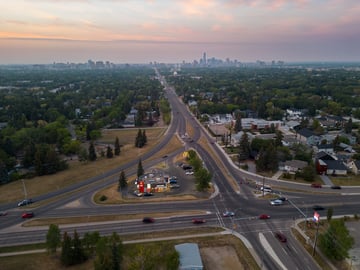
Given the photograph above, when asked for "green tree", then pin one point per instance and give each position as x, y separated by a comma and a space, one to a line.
109, 152
66, 250
244, 147
348, 126
309, 173
122, 181
144, 137
329, 214
238, 125
203, 178
140, 170
89, 242
117, 147
278, 138
78, 253
336, 242
139, 140
92, 153
53, 238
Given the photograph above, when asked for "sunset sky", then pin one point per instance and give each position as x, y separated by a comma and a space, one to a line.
140, 31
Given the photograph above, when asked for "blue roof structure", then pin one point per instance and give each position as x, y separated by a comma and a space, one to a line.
190, 258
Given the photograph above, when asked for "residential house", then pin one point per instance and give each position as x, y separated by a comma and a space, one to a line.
335, 167
327, 148
307, 136
293, 166
354, 166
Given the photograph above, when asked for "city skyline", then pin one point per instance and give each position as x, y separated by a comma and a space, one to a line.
143, 31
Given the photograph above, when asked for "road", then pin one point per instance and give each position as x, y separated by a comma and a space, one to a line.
260, 233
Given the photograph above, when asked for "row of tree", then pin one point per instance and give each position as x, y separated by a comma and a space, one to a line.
202, 175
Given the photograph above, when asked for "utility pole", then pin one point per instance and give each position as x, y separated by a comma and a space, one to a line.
317, 231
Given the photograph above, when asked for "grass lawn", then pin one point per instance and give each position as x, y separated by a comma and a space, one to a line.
78, 171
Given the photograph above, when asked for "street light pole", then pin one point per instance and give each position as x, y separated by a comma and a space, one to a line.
24, 187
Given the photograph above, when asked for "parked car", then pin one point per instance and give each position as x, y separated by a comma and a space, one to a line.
148, 220
25, 202
276, 202
281, 237
228, 214
336, 187
174, 186
316, 185
173, 181
264, 216
148, 194
137, 193
198, 220
189, 172
27, 215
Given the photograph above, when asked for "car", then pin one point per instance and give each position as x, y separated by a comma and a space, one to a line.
27, 215
174, 186
198, 221
284, 199
228, 214
165, 156
148, 194
25, 202
264, 216
189, 172
137, 193
281, 237
336, 187
148, 220
173, 181
3, 213
316, 185
318, 207
276, 202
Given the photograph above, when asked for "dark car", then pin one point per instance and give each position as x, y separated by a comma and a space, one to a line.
336, 187
318, 207
316, 185
148, 220
25, 202
198, 220
264, 216
281, 237
27, 215
147, 194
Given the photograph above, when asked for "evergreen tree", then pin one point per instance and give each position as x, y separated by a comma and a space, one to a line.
203, 178
66, 250
117, 147
144, 138
140, 170
109, 152
278, 138
238, 124
78, 254
122, 181
53, 238
348, 126
139, 140
244, 147
92, 153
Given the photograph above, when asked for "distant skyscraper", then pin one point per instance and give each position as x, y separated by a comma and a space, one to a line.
204, 58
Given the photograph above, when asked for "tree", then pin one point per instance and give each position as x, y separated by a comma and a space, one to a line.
89, 242
348, 126
122, 181
92, 153
203, 178
329, 214
78, 254
139, 140
336, 242
144, 137
109, 152
140, 170
309, 173
53, 238
117, 147
278, 138
238, 125
244, 147
66, 251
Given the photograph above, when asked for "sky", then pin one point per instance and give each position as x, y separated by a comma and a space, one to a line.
172, 31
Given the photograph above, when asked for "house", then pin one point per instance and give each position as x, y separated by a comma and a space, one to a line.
190, 258
354, 166
335, 167
307, 136
327, 148
294, 166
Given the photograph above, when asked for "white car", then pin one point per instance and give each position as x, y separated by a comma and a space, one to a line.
189, 172
276, 202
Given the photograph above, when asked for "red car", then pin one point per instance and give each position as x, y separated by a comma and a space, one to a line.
264, 216
198, 220
27, 215
281, 237
148, 220
316, 185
